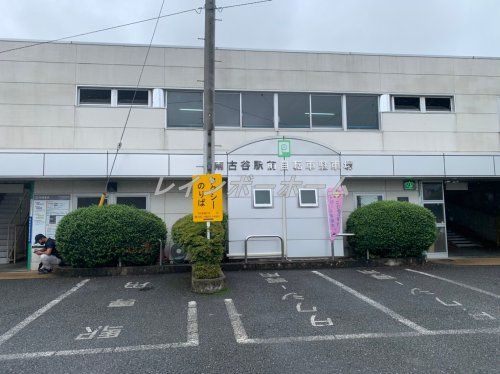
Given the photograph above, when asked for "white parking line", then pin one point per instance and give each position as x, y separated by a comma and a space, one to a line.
456, 283
375, 304
239, 331
192, 341
21, 325
242, 337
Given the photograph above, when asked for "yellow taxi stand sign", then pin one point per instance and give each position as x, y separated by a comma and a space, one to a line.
207, 198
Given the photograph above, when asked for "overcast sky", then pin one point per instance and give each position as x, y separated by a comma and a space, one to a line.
431, 27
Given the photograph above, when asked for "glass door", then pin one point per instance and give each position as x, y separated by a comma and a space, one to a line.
433, 199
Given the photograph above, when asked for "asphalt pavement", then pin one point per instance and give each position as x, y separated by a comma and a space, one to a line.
371, 320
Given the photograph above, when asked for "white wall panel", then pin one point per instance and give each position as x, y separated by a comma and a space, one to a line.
16, 164
418, 166
469, 165
368, 165
139, 165
186, 165
76, 164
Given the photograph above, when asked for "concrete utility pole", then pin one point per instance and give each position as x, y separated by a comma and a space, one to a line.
209, 87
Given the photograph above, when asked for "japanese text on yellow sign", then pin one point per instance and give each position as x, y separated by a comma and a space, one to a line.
207, 197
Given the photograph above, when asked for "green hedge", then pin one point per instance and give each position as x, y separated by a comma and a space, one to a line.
391, 229
101, 236
206, 271
193, 237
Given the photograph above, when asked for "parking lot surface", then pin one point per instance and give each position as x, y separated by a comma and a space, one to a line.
377, 320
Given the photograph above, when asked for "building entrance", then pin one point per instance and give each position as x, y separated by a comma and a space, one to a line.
473, 218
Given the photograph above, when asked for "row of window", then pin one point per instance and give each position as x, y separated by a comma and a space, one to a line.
263, 198
422, 103
139, 202
268, 110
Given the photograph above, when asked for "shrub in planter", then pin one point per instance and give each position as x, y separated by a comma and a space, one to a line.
391, 229
206, 271
193, 237
101, 236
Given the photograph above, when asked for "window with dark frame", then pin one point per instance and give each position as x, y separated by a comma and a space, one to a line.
326, 111
139, 202
308, 197
227, 109
133, 97
185, 109
407, 103
96, 96
84, 202
257, 109
362, 112
293, 110
262, 198
438, 104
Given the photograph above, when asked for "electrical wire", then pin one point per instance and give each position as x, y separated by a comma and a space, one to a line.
118, 147
196, 10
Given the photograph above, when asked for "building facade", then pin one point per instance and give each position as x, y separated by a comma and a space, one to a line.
413, 128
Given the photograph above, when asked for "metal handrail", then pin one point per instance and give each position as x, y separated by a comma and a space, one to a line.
20, 208
265, 236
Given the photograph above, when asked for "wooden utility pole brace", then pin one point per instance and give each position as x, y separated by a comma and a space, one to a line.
209, 91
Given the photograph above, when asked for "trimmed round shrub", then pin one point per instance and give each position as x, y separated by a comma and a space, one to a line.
391, 229
206, 271
101, 236
193, 237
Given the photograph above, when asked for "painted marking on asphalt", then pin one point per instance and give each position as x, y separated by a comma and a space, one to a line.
375, 304
242, 337
192, 341
13, 331
239, 330
456, 283
192, 324
319, 338
401, 284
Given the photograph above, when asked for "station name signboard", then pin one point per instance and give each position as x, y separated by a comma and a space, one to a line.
207, 198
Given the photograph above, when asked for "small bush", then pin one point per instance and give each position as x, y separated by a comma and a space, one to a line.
391, 229
193, 237
206, 271
100, 236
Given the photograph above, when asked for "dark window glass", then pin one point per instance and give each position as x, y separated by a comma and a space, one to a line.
362, 112
262, 198
326, 111
404, 198
135, 201
433, 191
126, 97
438, 104
258, 109
227, 109
293, 110
308, 197
83, 202
95, 96
184, 109
437, 210
406, 103
363, 200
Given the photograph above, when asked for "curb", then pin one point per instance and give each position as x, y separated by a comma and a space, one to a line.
237, 266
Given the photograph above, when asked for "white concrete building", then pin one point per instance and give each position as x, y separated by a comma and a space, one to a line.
434, 121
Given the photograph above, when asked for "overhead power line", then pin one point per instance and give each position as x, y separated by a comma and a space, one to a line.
196, 10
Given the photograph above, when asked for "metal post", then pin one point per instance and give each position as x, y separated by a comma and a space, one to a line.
209, 91
209, 86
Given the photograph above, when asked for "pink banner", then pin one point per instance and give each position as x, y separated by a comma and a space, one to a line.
334, 200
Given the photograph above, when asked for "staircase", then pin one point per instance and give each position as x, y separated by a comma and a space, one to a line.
9, 208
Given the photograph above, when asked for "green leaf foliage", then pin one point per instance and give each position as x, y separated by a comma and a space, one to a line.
193, 237
100, 236
206, 271
391, 229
